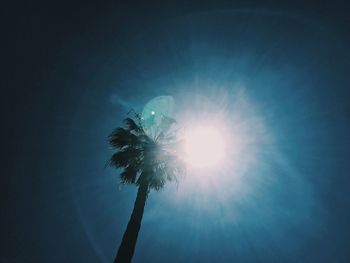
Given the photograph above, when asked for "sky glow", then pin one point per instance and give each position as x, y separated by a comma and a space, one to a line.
272, 194
204, 147
222, 135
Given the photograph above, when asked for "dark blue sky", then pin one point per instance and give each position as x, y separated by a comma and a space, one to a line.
71, 73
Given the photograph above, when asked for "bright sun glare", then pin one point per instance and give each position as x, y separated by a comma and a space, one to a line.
204, 147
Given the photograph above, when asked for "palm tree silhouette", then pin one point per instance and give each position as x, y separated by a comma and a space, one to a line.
147, 161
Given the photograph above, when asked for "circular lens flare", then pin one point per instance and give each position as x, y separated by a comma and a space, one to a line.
204, 147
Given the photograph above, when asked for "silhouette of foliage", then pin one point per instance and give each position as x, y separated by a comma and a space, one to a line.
146, 162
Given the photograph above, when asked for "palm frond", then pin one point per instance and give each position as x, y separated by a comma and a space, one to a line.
132, 125
125, 157
129, 174
156, 179
121, 137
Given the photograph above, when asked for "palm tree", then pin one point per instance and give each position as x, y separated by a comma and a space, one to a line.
147, 162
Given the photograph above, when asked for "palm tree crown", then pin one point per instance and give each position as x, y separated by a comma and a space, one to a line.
154, 159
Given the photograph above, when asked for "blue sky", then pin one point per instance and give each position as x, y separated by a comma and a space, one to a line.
278, 74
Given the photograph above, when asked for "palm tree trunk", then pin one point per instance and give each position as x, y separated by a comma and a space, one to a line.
127, 246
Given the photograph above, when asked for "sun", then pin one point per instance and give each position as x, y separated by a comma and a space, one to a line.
204, 147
